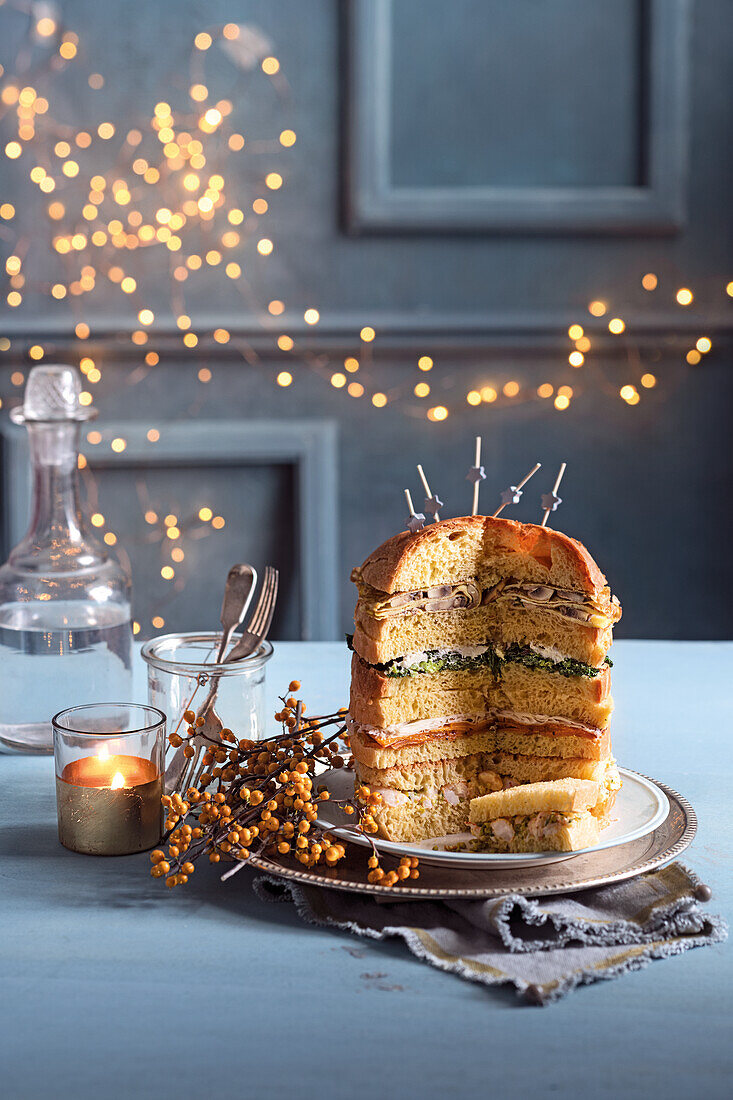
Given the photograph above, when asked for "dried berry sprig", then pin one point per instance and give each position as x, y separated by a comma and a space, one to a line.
260, 797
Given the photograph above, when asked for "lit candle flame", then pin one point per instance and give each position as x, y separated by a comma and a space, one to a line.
103, 753
118, 780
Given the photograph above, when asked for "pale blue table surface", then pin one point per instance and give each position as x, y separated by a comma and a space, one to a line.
112, 986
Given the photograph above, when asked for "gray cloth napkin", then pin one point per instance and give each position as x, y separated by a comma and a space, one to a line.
544, 947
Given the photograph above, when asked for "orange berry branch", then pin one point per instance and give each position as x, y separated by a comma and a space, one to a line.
262, 797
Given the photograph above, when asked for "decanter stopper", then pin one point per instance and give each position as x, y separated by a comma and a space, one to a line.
52, 392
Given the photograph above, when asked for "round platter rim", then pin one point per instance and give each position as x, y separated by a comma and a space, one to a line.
304, 877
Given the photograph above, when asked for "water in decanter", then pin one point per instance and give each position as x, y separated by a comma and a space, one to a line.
54, 654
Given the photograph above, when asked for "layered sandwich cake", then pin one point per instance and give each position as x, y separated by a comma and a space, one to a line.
479, 663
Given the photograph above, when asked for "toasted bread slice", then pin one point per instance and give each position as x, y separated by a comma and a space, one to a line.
482, 547
502, 621
565, 796
383, 701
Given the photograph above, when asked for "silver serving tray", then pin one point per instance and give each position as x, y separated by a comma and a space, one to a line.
580, 872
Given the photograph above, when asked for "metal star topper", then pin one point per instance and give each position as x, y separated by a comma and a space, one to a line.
514, 492
511, 495
416, 520
476, 474
433, 503
551, 500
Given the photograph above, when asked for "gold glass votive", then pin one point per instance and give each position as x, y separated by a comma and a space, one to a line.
109, 777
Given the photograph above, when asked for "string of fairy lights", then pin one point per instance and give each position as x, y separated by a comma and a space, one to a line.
172, 188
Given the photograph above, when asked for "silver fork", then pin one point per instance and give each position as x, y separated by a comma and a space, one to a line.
259, 625
252, 636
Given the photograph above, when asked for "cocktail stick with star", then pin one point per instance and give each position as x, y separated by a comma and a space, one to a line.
432, 503
551, 500
514, 492
476, 474
416, 520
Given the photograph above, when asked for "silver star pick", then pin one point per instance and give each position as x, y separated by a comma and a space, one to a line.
415, 523
550, 501
476, 473
511, 495
433, 504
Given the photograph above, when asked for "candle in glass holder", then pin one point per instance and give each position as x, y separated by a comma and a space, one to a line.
109, 778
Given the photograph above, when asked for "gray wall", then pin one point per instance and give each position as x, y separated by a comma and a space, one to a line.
466, 179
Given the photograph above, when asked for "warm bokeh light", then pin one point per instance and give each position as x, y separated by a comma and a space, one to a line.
576, 359
597, 308
285, 343
616, 326
473, 397
488, 394
561, 402
684, 296
703, 344
575, 332
351, 364
649, 281
367, 334
422, 389
438, 412
311, 316
379, 400
510, 389
545, 390
284, 378
648, 381
693, 357
425, 363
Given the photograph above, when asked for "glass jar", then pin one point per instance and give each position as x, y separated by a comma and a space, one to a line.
109, 777
182, 673
65, 622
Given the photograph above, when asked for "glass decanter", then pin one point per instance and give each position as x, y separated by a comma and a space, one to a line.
65, 619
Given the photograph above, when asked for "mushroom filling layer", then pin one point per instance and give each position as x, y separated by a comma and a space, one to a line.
467, 595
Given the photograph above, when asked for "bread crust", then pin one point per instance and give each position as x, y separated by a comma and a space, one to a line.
538, 554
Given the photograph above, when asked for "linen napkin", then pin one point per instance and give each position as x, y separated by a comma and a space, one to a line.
545, 947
